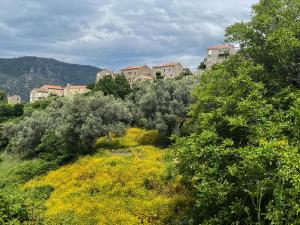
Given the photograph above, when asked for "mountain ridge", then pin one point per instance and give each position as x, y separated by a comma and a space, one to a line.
21, 74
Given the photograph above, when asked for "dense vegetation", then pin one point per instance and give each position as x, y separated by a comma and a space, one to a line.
232, 136
242, 159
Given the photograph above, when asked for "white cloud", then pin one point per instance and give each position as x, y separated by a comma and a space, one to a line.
114, 33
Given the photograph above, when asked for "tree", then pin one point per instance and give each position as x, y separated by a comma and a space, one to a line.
202, 66
106, 85
240, 162
118, 86
91, 86
162, 105
122, 87
271, 38
185, 72
74, 123
159, 76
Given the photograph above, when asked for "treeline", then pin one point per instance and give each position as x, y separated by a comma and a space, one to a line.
73, 124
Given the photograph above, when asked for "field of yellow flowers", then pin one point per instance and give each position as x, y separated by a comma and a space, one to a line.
115, 188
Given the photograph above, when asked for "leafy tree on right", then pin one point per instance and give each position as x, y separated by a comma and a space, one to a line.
241, 161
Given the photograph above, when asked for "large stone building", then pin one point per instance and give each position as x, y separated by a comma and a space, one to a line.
15, 99
170, 70
75, 89
104, 73
137, 73
218, 54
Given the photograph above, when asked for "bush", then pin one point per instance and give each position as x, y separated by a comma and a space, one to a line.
13, 209
68, 126
162, 105
114, 190
133, 137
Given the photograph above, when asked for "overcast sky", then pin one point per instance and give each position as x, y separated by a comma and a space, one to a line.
115, 33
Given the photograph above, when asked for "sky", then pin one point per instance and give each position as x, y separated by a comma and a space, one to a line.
117, 33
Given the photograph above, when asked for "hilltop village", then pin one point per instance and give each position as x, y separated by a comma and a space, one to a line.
215, 54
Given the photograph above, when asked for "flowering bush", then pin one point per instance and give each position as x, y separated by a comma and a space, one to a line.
116, 189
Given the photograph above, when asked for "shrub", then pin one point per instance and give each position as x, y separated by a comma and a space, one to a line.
114, 190
133, 137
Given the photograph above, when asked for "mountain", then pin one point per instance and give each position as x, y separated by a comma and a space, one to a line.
20, 75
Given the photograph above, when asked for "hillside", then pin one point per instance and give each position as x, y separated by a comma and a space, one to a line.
124, 182
20, 75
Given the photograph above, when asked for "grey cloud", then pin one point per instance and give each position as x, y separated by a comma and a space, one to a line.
114, 33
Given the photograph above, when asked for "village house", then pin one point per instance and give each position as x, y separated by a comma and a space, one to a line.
218, 54
137, 73
104, 73
72, 90
46, 91
15, 99
52, 90
170, 70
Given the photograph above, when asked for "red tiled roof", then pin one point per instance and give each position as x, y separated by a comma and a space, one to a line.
53, 87
132, 67
220, 47
166, 65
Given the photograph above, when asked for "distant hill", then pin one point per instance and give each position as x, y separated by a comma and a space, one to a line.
20, 75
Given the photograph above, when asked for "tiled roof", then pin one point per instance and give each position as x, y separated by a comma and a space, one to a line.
166, 65
220, 47
53, 87
132, 67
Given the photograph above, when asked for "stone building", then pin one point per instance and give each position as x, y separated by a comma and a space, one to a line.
218, 54
170, 70
46, 91
15, 99
72, 90
104, 73
137, 71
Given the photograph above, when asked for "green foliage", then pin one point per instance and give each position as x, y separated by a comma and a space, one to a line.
13, 210
241, 160
271, 38
185, 72
202, 66
8, 111
162, 105
133, 137
230, 103
72, 124
91, 86
118, 86
158, 76
249, 185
